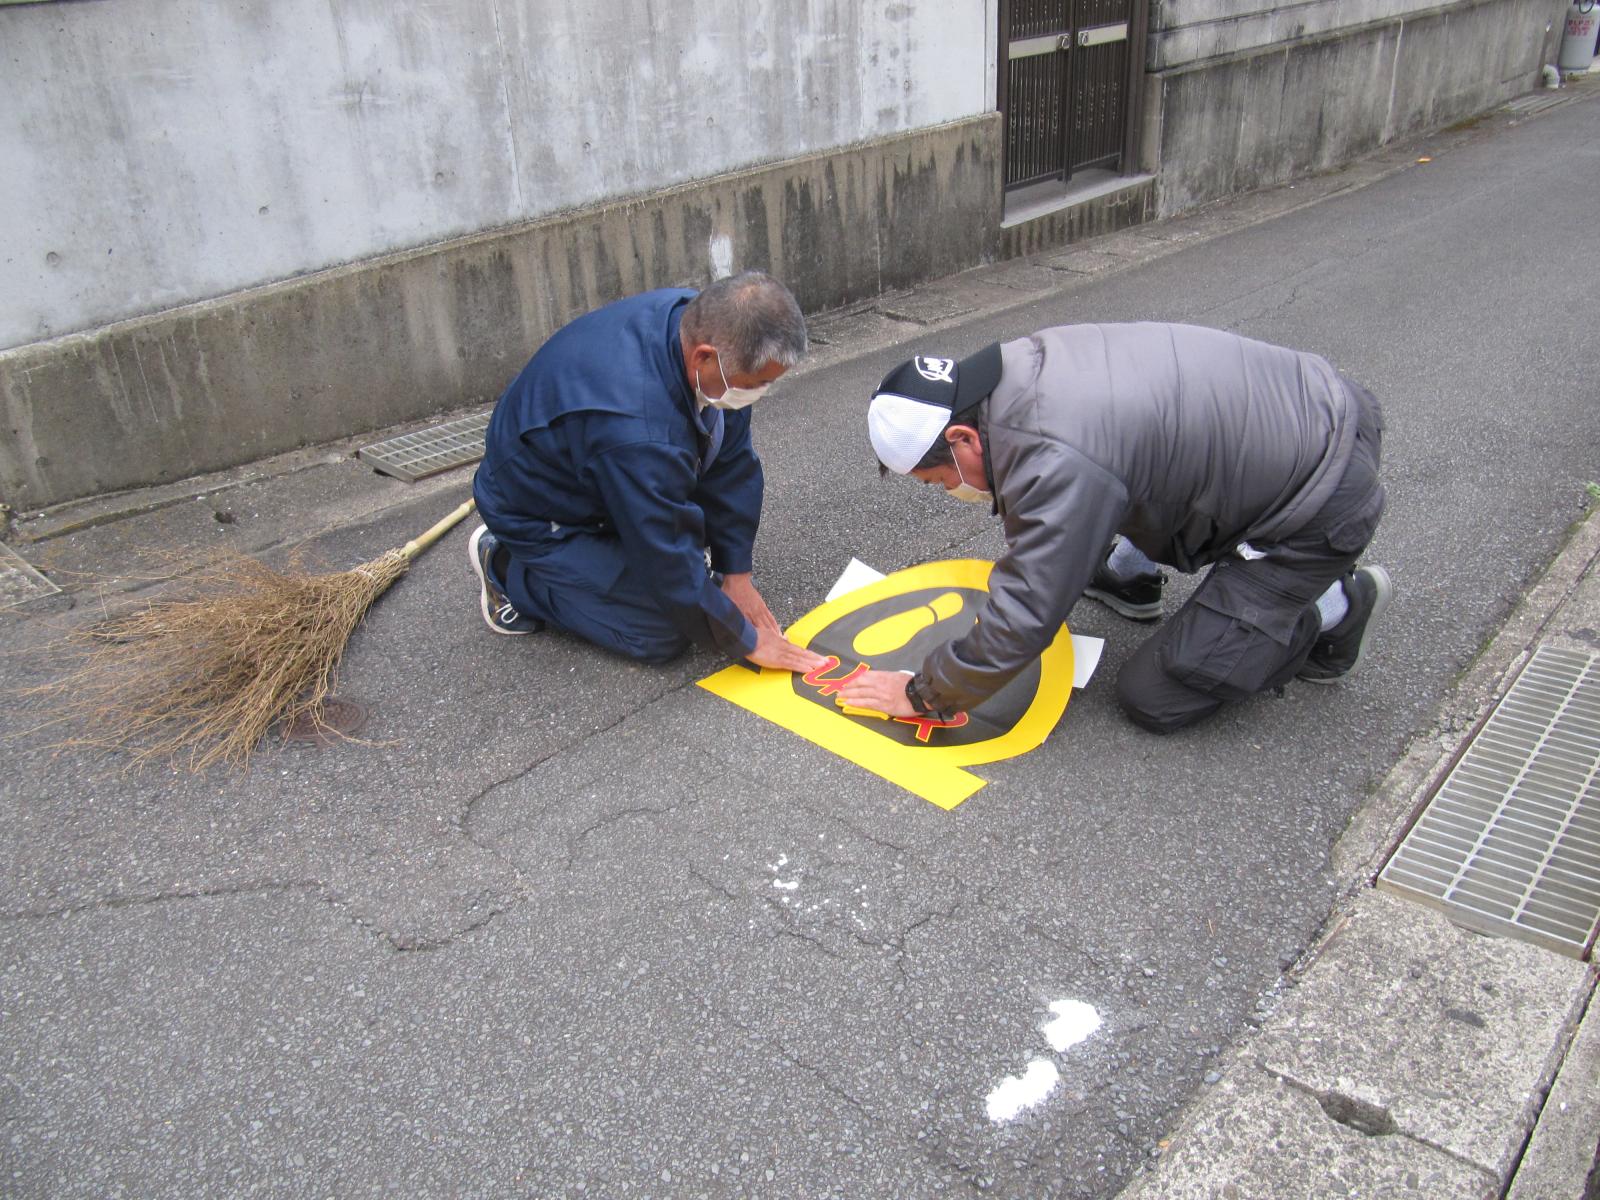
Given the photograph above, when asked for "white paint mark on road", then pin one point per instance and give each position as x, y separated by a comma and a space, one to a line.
1017, 1092
787, 885
1074, 1021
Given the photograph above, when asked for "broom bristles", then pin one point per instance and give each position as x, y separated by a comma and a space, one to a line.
203, 680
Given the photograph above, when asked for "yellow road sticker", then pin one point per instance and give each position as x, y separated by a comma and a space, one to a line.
891, 625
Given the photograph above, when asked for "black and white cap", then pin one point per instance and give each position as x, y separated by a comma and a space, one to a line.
916, 400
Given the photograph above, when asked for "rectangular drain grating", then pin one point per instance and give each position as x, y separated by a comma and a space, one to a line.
411, 456
19, 582
1532, 103
1510, 843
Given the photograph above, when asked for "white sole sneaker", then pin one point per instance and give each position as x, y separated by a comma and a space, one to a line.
490, 603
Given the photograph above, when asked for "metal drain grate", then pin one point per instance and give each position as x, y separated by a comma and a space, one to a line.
1510, 843
1532, 103
19, 582
341, 719
411, 456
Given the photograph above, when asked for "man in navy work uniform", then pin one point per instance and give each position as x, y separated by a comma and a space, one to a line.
619, 457
1198, 447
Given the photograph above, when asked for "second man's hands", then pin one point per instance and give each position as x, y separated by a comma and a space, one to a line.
775, 650
741, 589
772, 648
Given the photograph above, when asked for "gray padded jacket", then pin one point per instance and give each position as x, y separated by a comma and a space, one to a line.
1185, 440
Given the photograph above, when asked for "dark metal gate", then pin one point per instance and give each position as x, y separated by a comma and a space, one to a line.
1067, 71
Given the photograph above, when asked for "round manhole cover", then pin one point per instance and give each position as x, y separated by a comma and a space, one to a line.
340, 719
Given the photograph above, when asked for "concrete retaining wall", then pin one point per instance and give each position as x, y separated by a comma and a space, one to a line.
401, 337
1107, 213
163, 152
1243, 98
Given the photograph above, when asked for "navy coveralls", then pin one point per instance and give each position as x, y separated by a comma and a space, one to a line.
606, 484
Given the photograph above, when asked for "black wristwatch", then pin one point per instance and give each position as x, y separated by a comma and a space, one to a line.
914, 695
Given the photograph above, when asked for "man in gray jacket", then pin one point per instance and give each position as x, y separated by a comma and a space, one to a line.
1198, 447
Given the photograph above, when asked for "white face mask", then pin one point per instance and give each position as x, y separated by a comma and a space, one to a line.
732, 398
966, 491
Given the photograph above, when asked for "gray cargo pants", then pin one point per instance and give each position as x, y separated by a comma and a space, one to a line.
1251, 623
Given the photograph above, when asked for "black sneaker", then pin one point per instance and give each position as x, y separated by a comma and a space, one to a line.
497, 611
1338, 651
1138, 598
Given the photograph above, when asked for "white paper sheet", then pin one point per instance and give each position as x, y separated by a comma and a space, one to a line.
857, 574
1085, 658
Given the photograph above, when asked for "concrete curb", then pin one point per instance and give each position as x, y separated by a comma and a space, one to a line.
1561, 1158
1411, 1060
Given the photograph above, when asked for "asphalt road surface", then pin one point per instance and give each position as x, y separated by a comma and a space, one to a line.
563, 925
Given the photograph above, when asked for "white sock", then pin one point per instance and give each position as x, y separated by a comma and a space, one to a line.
1127, 560
1333, 604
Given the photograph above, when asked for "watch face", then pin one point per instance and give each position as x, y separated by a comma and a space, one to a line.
896, 633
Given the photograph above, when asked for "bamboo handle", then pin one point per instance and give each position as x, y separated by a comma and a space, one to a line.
418, 544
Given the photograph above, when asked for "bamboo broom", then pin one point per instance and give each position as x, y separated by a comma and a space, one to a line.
204, 679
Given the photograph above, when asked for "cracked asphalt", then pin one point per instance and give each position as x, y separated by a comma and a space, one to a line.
562, 925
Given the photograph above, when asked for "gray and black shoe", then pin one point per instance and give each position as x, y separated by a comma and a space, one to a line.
497, 611
1138, 598
1338, 651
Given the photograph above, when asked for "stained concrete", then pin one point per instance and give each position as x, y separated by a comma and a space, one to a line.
1566, 1143
212, 385
1237, 98
167, 152
1456, 1036
19, 582
1412, 1059
1190, 31
1236, 104
1115, 209
1262, 1138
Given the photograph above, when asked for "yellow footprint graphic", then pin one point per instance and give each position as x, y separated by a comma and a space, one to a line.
895, 631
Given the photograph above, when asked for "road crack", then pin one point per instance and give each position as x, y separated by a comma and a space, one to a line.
109, 903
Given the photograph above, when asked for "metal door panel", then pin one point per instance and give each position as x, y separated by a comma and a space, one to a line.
1065, 86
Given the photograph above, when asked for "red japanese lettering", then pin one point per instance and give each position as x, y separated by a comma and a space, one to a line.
830, 686
926, 725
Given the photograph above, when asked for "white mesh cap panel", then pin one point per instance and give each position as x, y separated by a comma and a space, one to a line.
903, 429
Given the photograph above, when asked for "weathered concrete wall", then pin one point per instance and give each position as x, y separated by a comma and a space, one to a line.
223, 382
1244, 96
1105, 214
1190, 31
160, 152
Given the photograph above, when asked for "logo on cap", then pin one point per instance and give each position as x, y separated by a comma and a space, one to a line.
935, 369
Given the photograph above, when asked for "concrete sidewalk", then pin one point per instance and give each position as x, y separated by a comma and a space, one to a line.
1407, 1057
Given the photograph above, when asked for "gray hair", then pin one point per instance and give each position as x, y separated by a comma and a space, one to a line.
750, 318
